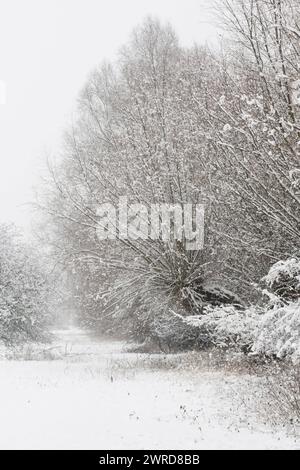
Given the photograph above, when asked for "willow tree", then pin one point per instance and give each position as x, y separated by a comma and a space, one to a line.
138, 134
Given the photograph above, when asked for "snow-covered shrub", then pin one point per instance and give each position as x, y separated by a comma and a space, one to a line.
279, 333
173, 333
273, 333
23, 291
283, 279
225, 327
228, 327
158, 324
283, 389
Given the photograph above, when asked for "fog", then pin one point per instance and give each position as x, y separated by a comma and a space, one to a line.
47, 50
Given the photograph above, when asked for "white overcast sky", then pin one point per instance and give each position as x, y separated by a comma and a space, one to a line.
47, 49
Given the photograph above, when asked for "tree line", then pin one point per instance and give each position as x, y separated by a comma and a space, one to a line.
167, 124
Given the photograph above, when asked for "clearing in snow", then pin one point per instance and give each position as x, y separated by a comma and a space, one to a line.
92, 394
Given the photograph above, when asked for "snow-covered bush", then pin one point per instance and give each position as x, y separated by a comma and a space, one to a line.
279, 333
173, 333
283, 279
159, 324
23, 291
228, 327
273, 333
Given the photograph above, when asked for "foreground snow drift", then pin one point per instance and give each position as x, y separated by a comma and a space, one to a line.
96, 397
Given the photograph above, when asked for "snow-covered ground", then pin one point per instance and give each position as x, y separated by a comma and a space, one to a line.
93, 395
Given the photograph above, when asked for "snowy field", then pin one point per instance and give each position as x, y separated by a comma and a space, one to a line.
93, 395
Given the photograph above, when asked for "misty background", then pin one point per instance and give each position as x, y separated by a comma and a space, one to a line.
47, 50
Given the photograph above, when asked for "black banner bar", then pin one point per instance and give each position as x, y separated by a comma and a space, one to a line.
135, 459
